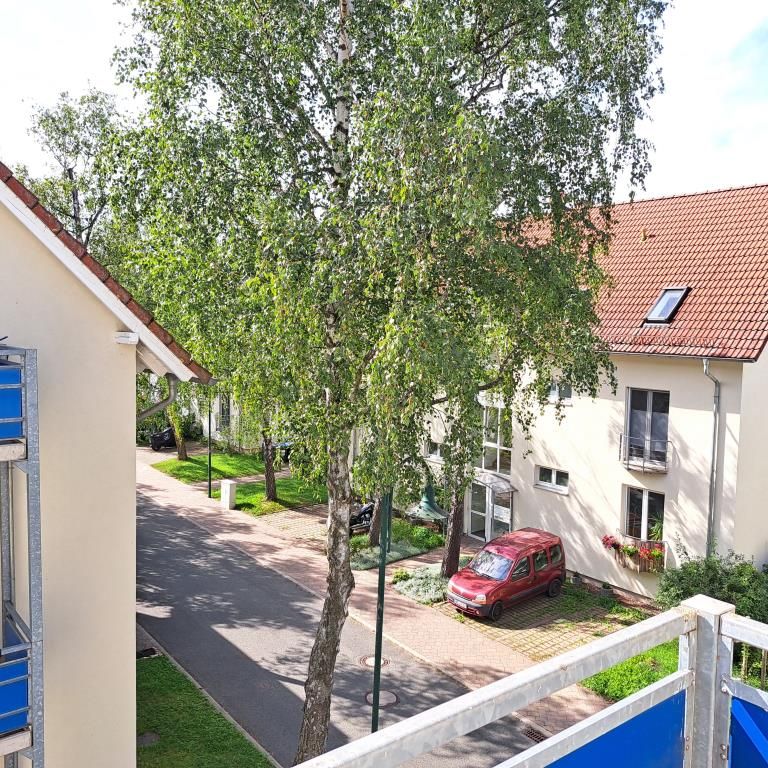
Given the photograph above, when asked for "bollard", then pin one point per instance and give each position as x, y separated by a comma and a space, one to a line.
228, 494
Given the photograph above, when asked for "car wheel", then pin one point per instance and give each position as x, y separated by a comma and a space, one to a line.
155, 447
555, 586
496, 610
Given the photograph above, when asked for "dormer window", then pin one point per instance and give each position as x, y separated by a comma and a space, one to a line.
666, 305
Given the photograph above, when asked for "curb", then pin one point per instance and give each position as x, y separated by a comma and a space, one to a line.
164, 651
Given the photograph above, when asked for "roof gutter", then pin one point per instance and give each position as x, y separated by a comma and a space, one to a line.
173, 393
713, 460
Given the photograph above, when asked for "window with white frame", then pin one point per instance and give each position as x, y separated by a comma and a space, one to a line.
225, 411
560, 391
497, 453
644, 516
551, 479
434, 450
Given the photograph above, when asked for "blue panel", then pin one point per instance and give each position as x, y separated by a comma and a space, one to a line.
10, 400
749, 727
653, 739
15, 695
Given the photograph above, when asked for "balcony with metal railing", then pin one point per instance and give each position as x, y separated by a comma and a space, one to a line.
701, 716
643, 454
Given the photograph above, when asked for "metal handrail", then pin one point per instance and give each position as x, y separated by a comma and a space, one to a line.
430, 729
644, 454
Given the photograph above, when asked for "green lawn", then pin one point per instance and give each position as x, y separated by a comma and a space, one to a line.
223, 466
291, 492
192, 733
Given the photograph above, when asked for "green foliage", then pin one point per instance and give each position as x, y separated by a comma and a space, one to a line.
418, 535
731, 578
400, 575
636, 673
368, 557
192, 733
223, 466
407, 541
358, 543
425, 585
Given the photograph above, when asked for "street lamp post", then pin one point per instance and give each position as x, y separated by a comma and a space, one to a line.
384, 537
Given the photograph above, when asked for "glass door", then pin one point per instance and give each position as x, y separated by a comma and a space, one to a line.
490, 512
477, 510
501, 520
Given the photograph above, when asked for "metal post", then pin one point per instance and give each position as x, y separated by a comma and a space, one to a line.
34, 554
6, 563
209, 444
386, 512
711, 715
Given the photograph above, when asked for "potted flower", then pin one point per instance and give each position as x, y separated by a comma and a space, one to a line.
611, 542
652, 557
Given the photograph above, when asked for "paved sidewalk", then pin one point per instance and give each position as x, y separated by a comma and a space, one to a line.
460, 651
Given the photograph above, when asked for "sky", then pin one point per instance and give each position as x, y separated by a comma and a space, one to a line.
709, 127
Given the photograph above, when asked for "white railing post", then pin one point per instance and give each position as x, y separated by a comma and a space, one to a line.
707, 725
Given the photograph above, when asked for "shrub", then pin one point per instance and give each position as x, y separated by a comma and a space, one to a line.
731, 578
400, 575
416, 535
425, 585
358, 543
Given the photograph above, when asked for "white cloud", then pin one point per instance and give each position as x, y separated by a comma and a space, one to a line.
710, 125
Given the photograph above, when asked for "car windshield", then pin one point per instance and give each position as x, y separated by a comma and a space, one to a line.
491, 565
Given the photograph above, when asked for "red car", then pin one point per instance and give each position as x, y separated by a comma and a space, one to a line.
513, 567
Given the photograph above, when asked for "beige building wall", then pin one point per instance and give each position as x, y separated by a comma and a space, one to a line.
586, 445
750, 528
87, 416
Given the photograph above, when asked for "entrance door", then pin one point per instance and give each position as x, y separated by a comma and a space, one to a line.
490, 512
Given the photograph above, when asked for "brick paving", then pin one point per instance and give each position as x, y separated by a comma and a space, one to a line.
544, 627
471, 657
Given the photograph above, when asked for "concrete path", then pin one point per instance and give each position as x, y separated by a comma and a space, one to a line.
244, 632
464, 654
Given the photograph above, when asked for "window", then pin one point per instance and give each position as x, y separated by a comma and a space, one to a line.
540, 560
434, 450
665, 307
647, 425
497, 454
551, 479
522, 569
491, 565
559, 390
555, 554
644, 515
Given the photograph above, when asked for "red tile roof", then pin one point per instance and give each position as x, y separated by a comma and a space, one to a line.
716, 244
78, 249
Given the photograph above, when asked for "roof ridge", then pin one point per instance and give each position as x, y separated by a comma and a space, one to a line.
703, 193
79, 250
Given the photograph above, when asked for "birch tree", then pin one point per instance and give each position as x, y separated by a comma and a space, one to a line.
357, 160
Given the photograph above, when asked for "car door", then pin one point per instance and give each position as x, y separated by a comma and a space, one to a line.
519, 581
540, 569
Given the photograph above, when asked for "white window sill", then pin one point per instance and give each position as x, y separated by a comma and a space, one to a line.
567, 403
551, 488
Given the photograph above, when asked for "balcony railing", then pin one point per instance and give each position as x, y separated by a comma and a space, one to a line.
696, 717
643, 454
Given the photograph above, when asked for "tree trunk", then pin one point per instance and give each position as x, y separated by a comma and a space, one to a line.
75, 204
453, 536
375, 531
174, 416
322, 659
268, 452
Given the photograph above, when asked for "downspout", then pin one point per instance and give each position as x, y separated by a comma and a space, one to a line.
713, 465
173, 392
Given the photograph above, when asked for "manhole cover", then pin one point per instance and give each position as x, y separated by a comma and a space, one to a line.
370, 661
147, 739
386, 699
535, 735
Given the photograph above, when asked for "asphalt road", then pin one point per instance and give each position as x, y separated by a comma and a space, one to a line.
245, 632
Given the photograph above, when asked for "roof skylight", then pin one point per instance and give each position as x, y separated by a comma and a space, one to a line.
666, 305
